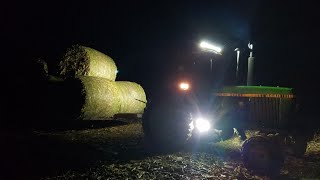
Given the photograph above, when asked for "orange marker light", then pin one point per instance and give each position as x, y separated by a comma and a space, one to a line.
184, 86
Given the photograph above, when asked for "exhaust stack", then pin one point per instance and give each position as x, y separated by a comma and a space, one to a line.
250, 66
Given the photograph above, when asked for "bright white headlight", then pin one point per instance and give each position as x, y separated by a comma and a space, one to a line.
202, 125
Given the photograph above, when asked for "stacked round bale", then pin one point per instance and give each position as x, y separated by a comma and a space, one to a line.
90, 91
85, 61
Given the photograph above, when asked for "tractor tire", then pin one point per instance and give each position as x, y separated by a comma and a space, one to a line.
165, 129
226, 134
299, 146
262, 155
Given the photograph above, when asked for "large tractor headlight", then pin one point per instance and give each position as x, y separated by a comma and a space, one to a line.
202, 125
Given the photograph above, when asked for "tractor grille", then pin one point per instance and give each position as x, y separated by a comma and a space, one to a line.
266, 110
271, 112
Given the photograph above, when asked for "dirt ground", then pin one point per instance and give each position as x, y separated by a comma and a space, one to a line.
102, 151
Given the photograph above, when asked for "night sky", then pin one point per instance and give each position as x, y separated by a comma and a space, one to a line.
152, 40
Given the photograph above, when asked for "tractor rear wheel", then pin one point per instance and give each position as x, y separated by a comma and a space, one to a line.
262, 155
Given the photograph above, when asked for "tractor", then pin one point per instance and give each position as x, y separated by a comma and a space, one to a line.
175, 118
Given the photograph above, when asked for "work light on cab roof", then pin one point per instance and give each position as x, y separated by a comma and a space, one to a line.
210, 47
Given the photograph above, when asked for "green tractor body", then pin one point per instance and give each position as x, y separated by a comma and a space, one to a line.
269, 110
177, 118
254, 107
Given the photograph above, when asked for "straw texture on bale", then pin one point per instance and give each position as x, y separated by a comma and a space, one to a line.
102, 98
94, 98
132, 97
86, 98
85, 61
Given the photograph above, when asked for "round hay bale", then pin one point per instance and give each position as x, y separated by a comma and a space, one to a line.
87, 98
102, 98
132, 97
85, 61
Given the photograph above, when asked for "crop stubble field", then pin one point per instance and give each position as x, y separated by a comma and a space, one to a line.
102, 150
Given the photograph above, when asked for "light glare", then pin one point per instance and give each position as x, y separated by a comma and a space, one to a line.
202, 125
184, 86
210, 47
